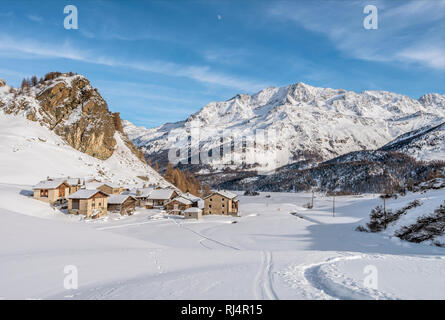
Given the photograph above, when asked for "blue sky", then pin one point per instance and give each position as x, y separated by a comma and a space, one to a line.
160, 61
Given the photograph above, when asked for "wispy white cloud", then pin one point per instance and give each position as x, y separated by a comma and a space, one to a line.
408, 31
35, 18
203, 74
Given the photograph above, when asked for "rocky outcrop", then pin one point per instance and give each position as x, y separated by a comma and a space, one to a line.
2, 83
72, 108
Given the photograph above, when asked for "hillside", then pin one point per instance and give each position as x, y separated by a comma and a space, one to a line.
52, 129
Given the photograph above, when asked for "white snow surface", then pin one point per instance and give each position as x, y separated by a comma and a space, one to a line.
30, 153
267, 254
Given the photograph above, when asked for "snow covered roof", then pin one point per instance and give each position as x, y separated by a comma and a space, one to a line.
192, 210
118, 198
161, 194
49, 184
85, 194
191, 197
224, 193
182, 200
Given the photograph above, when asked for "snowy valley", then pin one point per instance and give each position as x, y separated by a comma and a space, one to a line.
276, 246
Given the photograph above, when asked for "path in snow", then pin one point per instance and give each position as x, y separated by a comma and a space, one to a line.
263, 288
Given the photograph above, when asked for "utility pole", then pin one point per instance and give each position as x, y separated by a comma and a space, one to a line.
312, 204
384, 209
333, 206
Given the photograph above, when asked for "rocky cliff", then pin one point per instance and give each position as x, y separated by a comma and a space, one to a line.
68, 105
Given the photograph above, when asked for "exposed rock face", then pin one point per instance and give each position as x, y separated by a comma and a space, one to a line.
2, 83
76, 111
73, 109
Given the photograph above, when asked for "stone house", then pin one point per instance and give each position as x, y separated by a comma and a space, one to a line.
90, 203
51, 190
178, 205
197, 201
140, 194
110, 188
193, 213
124, 204
160, 197
221, 202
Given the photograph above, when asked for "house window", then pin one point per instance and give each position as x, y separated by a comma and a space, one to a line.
222, 199
210, 199
75, 204
210, 205
44, 193
223, 205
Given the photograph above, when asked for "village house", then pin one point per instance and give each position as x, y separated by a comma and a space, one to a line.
51, 190
107, 187
160, 197
197, 201
221, 202
90, 203
110, 188
140, 194
75, 184
178, 205
124, 204
193, 213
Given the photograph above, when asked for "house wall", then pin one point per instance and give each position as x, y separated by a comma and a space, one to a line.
86, 206
53, 195
181, 206
192, 215
217, 204
127, 207
106, 189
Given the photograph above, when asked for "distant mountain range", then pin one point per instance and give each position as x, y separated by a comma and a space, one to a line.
312, 126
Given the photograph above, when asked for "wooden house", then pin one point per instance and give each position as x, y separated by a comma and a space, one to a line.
110, 188
178, 205
124, 204
160, 197
221, 202
197, 201
140, 194
90, 203
193, 213
51, 190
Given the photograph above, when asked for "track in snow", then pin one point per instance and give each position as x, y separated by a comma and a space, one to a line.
263, 288
322, 281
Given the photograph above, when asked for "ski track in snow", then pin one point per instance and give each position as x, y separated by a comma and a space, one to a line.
263, 288
323, 281
205, 237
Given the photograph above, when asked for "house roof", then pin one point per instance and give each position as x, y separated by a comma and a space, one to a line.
49, 184
118, 198
192, 210
191, 197
224, 193
85, 194
182, 200
161, 194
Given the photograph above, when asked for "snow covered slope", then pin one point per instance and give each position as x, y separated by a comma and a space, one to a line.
30, 153
427, 143
311, 123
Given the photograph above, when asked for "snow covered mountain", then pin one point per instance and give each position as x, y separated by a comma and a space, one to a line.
427, 143
53, 129
311, 125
